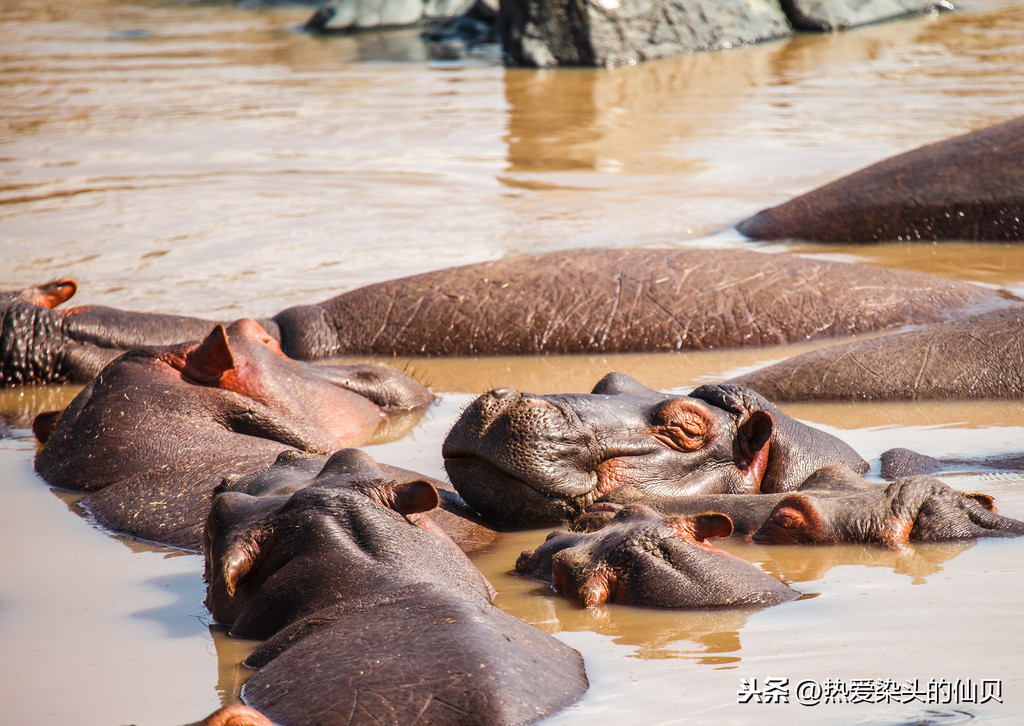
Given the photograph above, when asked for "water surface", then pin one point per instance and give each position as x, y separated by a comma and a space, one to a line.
210, 160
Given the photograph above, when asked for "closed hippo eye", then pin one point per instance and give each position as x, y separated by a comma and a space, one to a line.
681, 424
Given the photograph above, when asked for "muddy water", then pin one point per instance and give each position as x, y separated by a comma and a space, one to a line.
210, 160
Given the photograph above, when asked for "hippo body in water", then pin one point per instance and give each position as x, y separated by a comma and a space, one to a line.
579, 301
158, 429
368, 614
969, 187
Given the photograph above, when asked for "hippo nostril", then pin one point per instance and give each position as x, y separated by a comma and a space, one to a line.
536, 402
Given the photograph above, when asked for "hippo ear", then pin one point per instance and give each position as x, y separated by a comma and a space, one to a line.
702, 526
51, 294
237, 562
211, 359
794, 519
753, 436
410, 497
42, 425
984, 500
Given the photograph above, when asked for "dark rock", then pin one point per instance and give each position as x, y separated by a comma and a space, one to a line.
829, 15
616, 32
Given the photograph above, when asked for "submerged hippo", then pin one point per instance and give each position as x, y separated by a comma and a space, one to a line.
156, 431
562, 302
294, 470
369, 614
641, 557
525, 459
980, 356
838, 506
970, 187
834, 505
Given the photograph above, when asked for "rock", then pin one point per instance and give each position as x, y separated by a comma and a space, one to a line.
829, 15
614, 32
350, 15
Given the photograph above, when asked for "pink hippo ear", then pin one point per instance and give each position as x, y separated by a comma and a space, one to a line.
984, 500
51, 294
701, 526
208, 362
237, 562
752, 441
793, 520
409, 497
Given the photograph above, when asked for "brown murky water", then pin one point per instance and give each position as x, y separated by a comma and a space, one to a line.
210, 160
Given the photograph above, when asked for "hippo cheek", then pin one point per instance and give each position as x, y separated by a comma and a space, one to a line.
505, 499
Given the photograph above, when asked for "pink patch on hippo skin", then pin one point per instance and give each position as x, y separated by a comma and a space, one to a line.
602, 587
897, 535
236, 715
612, 474
794, 520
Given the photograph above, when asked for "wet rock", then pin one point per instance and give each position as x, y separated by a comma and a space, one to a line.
615, 32
829, 15
349, 15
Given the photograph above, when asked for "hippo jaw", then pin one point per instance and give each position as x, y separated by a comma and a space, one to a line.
475, 478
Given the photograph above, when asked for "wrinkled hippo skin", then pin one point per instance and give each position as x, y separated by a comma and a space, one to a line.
294, 470
153, 434
525, 459
838, 506
896, 463
978, 357
970, 187
371, 618
834, 505
562, 302
641, 557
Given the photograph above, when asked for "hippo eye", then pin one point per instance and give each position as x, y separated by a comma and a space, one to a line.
788, 518
683, 430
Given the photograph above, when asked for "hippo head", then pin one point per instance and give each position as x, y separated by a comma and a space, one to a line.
349, 532
525, 459
319, 407
836, 506
641, 557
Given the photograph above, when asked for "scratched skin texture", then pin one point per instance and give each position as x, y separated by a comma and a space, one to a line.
970, 187
979, 357
621, 300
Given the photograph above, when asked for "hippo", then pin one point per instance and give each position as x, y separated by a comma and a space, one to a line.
833, 505
969, 187
366, 613
642, 557
900, 462
157, 430
591, 300
294, 470
524, 459
838, 506
978, 357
